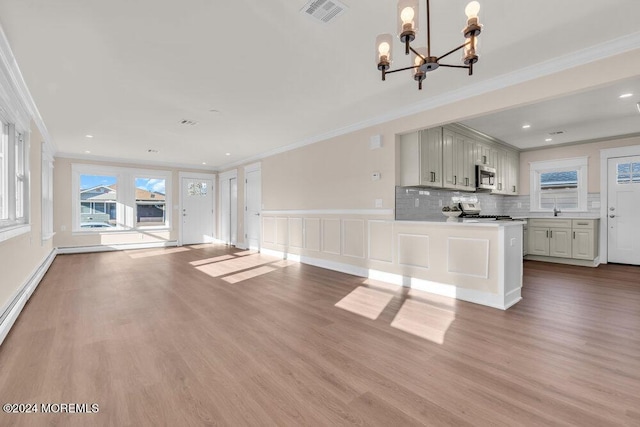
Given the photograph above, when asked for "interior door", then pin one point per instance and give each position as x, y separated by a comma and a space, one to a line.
228, 210
253, 192
233, 211
623, 205
197, 211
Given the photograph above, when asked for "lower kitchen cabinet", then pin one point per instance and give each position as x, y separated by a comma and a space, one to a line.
556, 239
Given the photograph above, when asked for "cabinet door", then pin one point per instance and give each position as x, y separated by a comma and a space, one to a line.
583, 244
449, 159
469, 166
538, 241
431, 157
500, 162
513, 160
560, 242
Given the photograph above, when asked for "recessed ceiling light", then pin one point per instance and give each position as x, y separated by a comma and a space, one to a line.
626, 95
227, 154
214, 111
548, 140
204, 163
638, 107
526, 126
88, 136
87, 151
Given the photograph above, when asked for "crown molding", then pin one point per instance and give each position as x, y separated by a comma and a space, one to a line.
14, 75
171, 165
574, 59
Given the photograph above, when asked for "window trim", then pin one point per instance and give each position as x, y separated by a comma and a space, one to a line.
579, 164
125, 197
12, 135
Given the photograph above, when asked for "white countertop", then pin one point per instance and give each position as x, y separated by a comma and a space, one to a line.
458, 222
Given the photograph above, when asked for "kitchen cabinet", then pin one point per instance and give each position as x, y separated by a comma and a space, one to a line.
563, 238
458, 166
585, 239
421, 158
550, 238
513, 173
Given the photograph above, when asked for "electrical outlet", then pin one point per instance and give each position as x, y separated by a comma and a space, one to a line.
375, 176
378, 203
519, 205
417, 202
63, 228
440, 202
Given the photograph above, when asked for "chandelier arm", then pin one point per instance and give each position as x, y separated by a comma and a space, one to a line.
453, 50
418, 54
402, 69
454, 66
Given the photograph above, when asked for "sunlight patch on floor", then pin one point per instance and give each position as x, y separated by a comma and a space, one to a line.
244, 253
211, 260
146, 254
366, 302
203, 246
284, 263
235, 265
249, 274
424, 320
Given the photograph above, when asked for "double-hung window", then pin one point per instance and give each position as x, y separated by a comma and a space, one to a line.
115, 199
559, 185
14, 181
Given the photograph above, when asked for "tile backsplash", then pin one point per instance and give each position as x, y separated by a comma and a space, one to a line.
418, 204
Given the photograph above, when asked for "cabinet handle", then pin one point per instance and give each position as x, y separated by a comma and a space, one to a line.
484, 160
466, 182
433, 177
500, 186
514, 188
583, 223
551, 234
455, 180
574, 235
547, 234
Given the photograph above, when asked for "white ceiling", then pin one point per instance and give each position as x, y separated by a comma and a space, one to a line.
128, 72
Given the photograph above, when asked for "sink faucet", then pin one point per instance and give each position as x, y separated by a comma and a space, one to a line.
556, 211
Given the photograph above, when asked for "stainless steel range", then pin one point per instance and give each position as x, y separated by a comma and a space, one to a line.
471, 213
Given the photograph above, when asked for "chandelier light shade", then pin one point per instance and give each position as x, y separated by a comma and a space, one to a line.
422, 59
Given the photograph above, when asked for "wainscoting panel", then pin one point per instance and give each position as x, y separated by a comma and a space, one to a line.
282, 231
331, 236
381, 240
268, 229
353, 238
296, 233
413, 250
312, 234
469, 257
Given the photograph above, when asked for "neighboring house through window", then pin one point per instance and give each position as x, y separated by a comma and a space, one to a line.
559, 185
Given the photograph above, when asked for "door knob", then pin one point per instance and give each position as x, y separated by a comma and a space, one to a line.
612, 216
612, 208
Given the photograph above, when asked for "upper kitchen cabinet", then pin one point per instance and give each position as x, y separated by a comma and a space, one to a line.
421, 158
446, 157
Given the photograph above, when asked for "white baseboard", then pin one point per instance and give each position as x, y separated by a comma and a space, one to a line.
13, 308
469, 295
115, 247
567, 261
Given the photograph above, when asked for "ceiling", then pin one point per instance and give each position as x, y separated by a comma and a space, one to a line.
128, 72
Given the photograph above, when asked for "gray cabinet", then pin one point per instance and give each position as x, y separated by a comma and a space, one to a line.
421, 158
563, 238
458, 165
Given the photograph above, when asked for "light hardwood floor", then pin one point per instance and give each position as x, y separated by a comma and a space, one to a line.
206, 335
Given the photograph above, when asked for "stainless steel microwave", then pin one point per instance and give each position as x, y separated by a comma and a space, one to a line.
485, 177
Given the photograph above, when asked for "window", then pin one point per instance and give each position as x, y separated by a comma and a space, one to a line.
115, 199
151, 202
14, 179
628, 173
559, 184
47, 194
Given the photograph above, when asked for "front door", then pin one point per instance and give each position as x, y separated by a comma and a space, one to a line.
622, 210
197, 211
253, 191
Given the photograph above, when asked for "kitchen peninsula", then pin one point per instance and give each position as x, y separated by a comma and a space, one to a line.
479, 262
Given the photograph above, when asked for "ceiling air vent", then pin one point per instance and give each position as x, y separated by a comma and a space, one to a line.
188, 122
323, 10
558, 132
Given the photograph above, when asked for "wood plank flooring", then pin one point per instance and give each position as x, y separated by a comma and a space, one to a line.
210, 335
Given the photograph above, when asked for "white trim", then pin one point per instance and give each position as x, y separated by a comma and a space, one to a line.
14, 231
605, 155
115, 247
226, 176
196, 175
255, 167
329, 212
581, 164
477, 297
17, 302
133, 163
574, 59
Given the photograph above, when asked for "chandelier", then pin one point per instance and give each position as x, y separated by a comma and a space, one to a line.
423, 61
